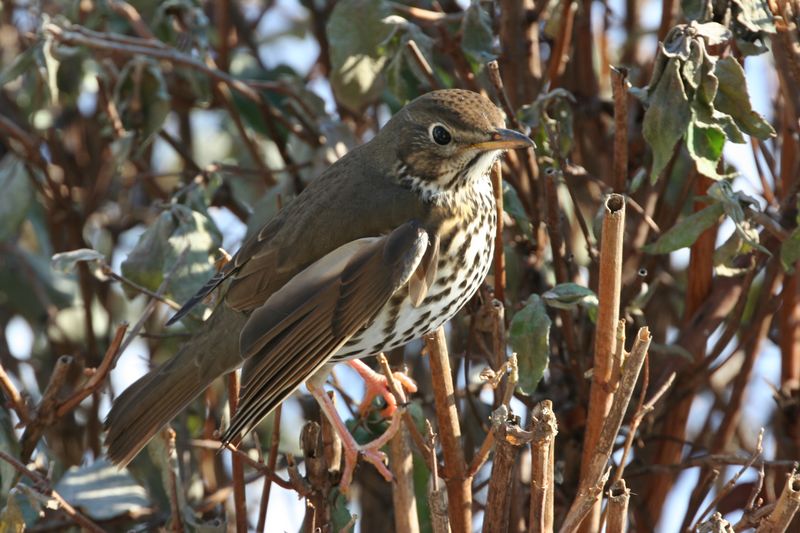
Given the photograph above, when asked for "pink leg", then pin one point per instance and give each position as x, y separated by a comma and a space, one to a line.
377, 384
370, 452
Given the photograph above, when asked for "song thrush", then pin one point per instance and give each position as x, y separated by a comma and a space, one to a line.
383, 247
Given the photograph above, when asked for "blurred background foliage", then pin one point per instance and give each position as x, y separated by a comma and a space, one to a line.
138, 139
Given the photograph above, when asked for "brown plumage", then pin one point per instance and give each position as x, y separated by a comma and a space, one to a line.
387, 244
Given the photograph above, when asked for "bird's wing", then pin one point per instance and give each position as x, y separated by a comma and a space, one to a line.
302, 325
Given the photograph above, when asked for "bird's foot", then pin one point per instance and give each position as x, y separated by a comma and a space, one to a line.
370, 452
378, 385
351, 450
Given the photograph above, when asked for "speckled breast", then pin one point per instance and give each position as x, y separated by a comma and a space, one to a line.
465, 255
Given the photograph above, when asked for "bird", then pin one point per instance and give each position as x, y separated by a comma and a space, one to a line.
383, 247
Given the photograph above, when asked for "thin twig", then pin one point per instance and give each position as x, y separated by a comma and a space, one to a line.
459, 485
544, 428
175, 497
619, 85
271, 462
493, 70
404, 501
211, 444
786, 508
17, 403
601, 395
106, 269
97, 375
499, 266
584, 501
617, 511
129, 12
423, 64
46, 410
597, 457
732, 482
237, 467
510, 439
638, 416
436, 495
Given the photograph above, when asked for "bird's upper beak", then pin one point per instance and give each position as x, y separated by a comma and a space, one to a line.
503, 139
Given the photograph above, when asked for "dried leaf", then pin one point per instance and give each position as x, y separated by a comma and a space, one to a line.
67, 261
732, 99
667, 117
713, 33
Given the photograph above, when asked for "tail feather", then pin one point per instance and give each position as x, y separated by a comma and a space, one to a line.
151, 402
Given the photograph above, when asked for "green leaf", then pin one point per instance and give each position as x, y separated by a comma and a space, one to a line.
732, 202
477, 35
732, 99
10, 444
102, 490
704, 143
340, 514
790, 251
529, 338
26, 61
706, 116
23, 293
513, 206
16, 197
667, 117
142, 97
67, 261
355, 49
567, 295
686, 232
161, 245
403, 75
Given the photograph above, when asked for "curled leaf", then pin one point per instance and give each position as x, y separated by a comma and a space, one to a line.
667, 116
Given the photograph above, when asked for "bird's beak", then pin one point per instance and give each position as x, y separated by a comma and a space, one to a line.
503, 139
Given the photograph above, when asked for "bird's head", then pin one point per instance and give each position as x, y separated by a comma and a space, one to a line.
446, 139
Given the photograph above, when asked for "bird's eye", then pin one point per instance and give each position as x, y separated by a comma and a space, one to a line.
440, 135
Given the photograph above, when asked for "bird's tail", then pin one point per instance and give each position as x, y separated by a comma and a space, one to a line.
150, 403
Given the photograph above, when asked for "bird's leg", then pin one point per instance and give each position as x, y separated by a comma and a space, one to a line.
377, 384
370, 451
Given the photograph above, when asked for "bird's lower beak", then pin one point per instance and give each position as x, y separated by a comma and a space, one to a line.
503, 139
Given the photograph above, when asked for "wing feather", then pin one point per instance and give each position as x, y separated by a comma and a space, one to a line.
302, 325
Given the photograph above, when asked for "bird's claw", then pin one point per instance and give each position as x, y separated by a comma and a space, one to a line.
378, 385
370, 452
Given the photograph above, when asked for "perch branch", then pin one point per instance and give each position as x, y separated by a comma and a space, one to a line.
459, 486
